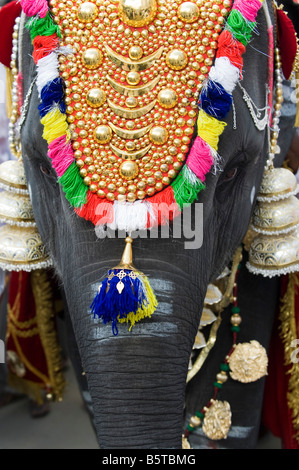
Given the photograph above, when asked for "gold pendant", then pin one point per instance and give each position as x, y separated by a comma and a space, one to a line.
217, 420
248, 362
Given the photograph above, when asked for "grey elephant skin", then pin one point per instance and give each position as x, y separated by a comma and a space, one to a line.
137, 380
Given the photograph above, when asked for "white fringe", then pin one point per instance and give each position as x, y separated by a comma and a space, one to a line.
129, 216
47, 70
225, 73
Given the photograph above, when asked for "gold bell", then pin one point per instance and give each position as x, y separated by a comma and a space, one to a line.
277, 184
275, 249
21, 247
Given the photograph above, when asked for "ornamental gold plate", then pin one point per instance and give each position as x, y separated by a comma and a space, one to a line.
217, 420
133, 76
248, 362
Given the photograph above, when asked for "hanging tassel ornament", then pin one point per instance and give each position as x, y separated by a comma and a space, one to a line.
125, 295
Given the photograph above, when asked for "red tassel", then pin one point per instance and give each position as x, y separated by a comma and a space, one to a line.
8, 15
43, 45
229, 47
163, 208
97, 211
200, 159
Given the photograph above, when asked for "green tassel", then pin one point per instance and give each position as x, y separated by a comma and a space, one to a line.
240, 28
73, 186
42, 27
186, 187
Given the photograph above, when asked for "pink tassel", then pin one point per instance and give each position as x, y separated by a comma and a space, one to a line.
36, 7
200, 159
248, 9
61, 154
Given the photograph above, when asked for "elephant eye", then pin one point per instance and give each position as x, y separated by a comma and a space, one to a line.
45, 170
230, 175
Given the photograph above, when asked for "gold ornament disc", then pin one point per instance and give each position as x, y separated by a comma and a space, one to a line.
217, 420
248, 362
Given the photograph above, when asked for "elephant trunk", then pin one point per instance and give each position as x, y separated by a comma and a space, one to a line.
137, 379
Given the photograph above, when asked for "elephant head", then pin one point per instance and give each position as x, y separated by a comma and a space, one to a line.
137, 379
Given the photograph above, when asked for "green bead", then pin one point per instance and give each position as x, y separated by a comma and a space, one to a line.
235, 309
190, 428
218, 385
199, 415
224, 367
235, 329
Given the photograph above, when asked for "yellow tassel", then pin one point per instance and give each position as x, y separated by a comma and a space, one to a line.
55, 125
209, 128
147, 310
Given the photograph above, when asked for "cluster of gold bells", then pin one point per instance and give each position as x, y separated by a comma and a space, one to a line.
21, 247
274, 249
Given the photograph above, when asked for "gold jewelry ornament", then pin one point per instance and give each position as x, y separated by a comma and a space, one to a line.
218, 420
248, 362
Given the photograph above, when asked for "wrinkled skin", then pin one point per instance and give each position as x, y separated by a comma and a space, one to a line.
137, 380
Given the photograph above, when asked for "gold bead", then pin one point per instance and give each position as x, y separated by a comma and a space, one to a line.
129, 169
167, 98
195, 421
221, 377
236, 319
177, 59
92, 58
87, 12
137, 13
158, 135
131, 102
87, 181
188, 12
135, 52
140, 194
133, 78
96, 97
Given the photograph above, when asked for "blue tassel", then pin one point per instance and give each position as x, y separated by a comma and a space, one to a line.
125, 295
215, 100
111, 305
51, 95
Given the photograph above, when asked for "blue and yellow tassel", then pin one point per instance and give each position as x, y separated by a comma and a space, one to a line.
125, 295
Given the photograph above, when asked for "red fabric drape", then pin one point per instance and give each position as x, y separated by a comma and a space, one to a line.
8, 15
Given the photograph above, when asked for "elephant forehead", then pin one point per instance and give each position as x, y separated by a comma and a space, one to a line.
132, 84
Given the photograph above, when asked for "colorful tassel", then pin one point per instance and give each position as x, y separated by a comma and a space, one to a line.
125, 295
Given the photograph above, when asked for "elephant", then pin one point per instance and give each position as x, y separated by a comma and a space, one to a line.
137, 379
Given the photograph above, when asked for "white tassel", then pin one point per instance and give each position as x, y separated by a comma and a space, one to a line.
225, 73
129, 216
47, 70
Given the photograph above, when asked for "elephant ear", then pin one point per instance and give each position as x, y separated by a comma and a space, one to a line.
287, 42
8, 15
